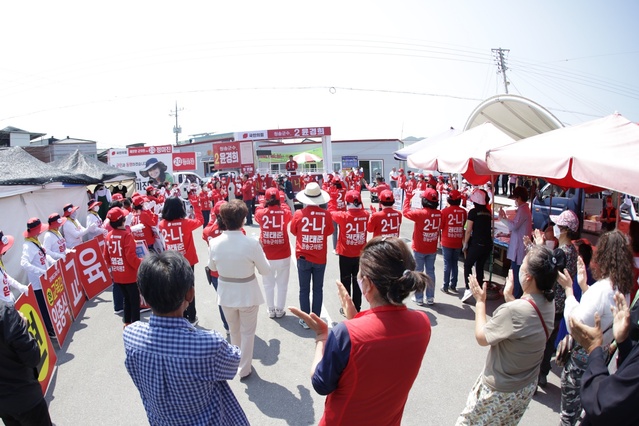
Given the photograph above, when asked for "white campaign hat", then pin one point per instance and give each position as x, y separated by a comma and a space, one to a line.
313, 195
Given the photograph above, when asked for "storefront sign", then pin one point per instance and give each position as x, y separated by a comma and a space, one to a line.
348, 162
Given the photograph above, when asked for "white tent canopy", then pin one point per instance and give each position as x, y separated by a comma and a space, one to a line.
464, 153
599, 153
403, 153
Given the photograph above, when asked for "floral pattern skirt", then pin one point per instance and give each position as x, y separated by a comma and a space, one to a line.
485, 406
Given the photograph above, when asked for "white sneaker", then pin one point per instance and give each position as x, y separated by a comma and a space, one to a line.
279, 313
431, 301
467, 295
271, 312
419, 302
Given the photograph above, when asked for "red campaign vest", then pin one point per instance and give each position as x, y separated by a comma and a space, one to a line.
273, 221
120, 255
312, 225
385, 222
453, 221
205, 202
426, 231
337, 201
367, 392
148, 220
352, 231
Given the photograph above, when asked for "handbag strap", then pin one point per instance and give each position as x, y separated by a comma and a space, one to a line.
539, 315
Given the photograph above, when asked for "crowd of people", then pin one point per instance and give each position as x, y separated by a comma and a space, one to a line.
382, 270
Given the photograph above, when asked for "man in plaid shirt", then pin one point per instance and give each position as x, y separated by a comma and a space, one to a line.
181, 372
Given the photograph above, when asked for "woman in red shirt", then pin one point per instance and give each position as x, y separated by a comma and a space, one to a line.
274, 218
352, 238
337, 192
177, 231
119, 253
428, 221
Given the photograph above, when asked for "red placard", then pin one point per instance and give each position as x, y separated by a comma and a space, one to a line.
77, 298
91, 268
28, 305
184, 161
57, 302
226, 155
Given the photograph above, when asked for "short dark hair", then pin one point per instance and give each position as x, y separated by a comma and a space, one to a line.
164, 279
173, 209
233, 214
389, 265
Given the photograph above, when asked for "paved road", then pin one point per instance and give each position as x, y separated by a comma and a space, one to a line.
91, 385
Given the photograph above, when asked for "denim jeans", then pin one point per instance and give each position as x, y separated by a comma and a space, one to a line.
305, 271
451, 270
426, 263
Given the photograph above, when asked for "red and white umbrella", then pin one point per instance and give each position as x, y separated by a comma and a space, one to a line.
306, 157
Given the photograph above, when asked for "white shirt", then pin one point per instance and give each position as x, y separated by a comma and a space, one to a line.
55, 245
35, 262
94, 225
234, 255
73, 232
7, 282
598, 298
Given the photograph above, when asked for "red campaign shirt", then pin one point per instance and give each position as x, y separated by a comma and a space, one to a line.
385, 222
453, 220
215, 196
379, 188
205, 201
238, 186
274, 221
426, 231
401, 179
148, 219
337, 201
311, 225
178, 235
119, 253
291, 165
421, 185
352, 231
248, 190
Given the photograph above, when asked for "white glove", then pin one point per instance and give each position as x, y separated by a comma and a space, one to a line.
24, 289
137, 228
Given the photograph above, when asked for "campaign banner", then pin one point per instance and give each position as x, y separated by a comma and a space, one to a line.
77, 298
184, 162
226, 155
152, 164
57, 302
91, 269
28, 305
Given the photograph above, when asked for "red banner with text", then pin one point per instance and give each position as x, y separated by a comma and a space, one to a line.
91, 268
57, 301
77, 299
28, 305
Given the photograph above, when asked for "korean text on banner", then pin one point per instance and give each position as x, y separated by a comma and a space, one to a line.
57, 302
91, 268
75, 292
28, 305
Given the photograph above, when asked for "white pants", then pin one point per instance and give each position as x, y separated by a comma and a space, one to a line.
280, 271
242, 324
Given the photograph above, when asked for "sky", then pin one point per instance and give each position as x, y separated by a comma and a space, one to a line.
112, 72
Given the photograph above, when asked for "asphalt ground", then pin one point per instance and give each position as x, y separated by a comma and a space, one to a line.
91, 385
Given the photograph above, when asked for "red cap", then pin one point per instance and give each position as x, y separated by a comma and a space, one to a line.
150, 188
117, 197
116, 213
401, 170
35, 227
432, 182
272, 193
137, 200
430, 195
217, 206
386, 196
94, 203
352, 195
455, 195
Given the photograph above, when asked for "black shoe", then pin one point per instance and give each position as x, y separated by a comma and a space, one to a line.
542, 381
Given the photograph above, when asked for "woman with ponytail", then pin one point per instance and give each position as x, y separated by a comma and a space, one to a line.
352, 362
517, 335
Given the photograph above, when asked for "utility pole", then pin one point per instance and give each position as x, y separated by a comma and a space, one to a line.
501, 64
176, 129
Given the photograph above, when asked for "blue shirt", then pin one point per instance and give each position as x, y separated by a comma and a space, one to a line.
181, 373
